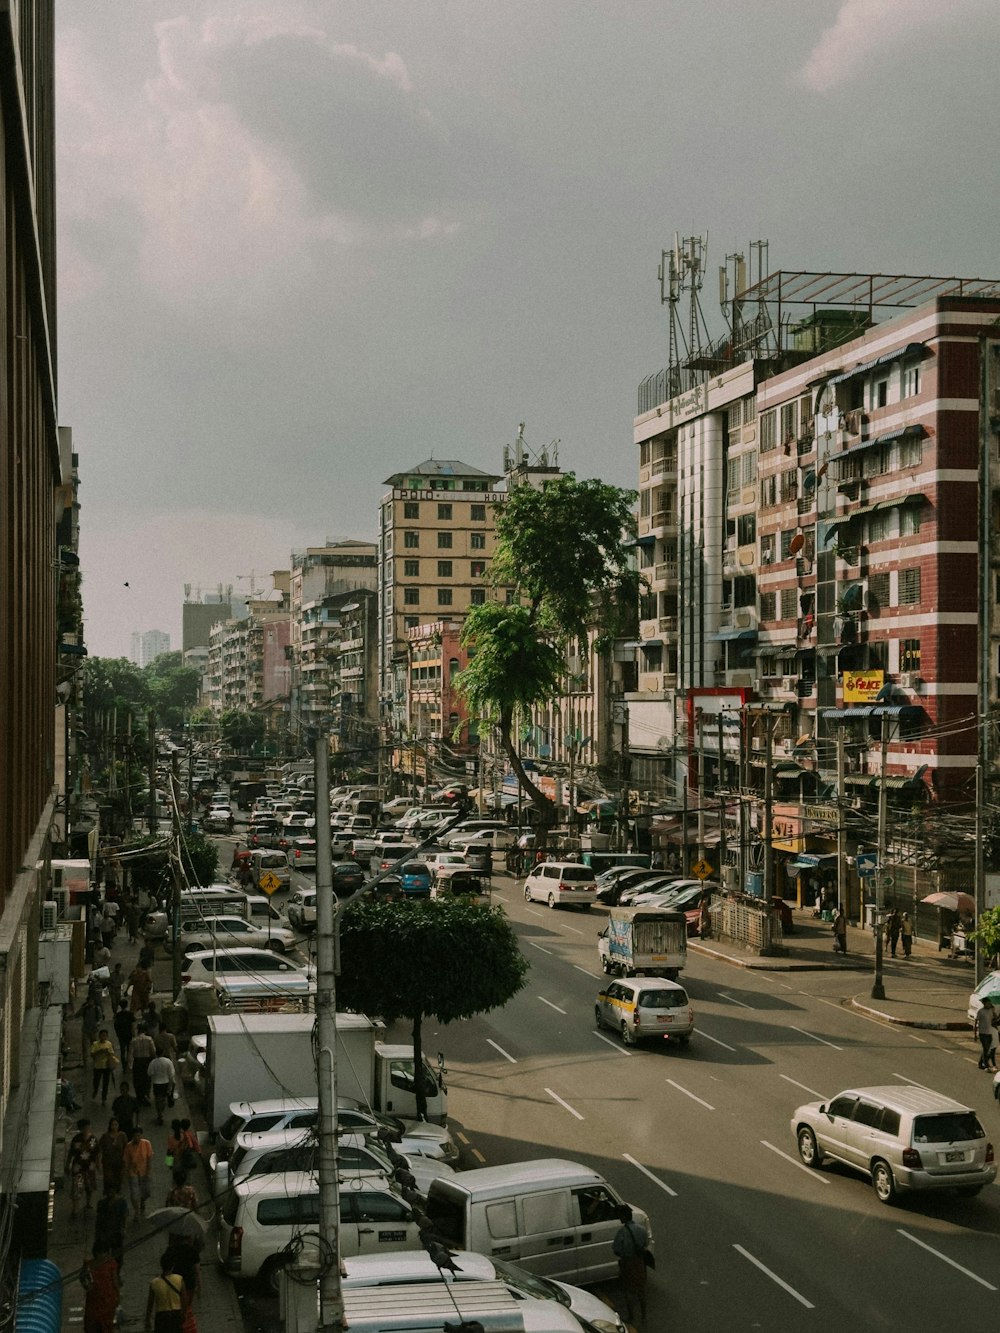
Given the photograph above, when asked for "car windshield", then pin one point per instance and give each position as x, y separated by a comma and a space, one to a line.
662, 999
528, 1284
947, 1127
576, 875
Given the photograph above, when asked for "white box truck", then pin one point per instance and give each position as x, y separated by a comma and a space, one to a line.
643, 940
252, 1056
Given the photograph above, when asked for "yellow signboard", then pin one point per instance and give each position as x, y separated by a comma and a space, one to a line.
862, 687
702, 869
269, 882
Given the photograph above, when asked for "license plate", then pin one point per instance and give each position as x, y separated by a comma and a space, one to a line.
954, 1157
664, 1018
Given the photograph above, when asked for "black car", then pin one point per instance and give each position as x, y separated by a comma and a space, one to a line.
348, 877
611, 890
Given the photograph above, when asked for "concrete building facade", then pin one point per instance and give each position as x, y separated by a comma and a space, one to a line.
148, 646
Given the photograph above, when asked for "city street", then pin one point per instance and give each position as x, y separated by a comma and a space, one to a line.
699, 1136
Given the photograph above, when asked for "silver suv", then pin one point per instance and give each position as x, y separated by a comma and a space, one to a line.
902, 1138
645, 1008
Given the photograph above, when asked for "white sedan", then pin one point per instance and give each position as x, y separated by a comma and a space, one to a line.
230, 930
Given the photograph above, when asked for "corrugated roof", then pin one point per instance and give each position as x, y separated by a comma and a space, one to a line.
442, 467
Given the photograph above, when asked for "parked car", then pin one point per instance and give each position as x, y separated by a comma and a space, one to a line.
990, 985
301, 854
901, 1138
655, 882
498, 838
348, 877
301, 909
613, 883
226, 931
645, 1008
561, 884
386, 854
207, 964
416, 878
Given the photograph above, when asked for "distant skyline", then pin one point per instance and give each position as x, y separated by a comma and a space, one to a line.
302, 249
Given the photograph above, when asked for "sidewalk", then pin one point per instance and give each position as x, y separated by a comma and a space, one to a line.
927, 990
216, 1308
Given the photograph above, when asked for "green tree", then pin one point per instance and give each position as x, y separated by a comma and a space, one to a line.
987, 932
240, 730
173, 688
150, 869
565, 550
444, 958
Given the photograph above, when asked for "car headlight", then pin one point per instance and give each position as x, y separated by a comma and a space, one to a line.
607, 1325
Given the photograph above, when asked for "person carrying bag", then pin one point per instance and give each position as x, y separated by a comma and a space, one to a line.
165, 1303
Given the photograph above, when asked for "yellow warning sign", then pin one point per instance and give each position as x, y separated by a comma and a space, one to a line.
269, 882
702, 869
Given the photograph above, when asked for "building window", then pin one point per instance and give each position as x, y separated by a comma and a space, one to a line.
789, 603
749, 410
478, 568
878, 592
411, 540
478, 597
768, 662
786, 543
444, 569
411, 596
880, 393
477, 540
767, 548
444, 511
509, 596
746, 529
768, 606
909, 521
911, 380
748, 470
878, 527
910, 451
411, 509
789, 414
878, 655
411, 569
909, 655
444, 541
444, 597
478, 513
768, 492
409, 622
790, 485
768, 430
909, 586
735, 415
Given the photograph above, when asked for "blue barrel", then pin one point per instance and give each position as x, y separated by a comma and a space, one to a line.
39, 1297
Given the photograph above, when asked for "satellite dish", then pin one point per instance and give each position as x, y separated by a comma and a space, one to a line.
797, 543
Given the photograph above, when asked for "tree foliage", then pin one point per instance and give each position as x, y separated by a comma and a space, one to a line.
442, 958
987, 931
173, 688
564, 549
151, 870
241, 731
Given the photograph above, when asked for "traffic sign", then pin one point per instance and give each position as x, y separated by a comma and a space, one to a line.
866, 863
269, 882
702, 869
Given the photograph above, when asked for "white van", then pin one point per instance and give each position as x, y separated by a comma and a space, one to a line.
555, 1218
489, 1306
216, 900
262, 1214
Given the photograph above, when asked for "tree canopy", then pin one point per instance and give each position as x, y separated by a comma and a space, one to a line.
151, 870
444, 958
564, 550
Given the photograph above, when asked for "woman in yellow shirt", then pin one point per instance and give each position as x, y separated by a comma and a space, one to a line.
103, 1055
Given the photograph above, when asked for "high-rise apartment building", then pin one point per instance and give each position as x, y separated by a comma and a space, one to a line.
436, 536
146, 647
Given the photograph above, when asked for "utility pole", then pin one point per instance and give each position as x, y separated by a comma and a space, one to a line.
174, 856
151, 770
190, 781
768, 812
684, 826
841, 825
878, 989
720, 791
331, 1302
700, 740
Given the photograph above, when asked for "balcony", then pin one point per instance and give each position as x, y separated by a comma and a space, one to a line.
667, 624
663, 520
665, 572
658, 467
656, 682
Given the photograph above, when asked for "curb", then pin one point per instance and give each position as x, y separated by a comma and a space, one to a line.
959, 1026
763, 964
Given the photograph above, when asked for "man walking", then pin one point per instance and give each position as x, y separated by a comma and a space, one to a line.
906, 932
162, 1077
629, 1245
840, 932
893, 926
138, 1159
985, 1029
143, 1051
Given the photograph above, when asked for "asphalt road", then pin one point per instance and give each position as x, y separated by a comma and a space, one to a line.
747, 1237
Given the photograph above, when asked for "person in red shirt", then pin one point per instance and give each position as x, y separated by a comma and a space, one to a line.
100, 1277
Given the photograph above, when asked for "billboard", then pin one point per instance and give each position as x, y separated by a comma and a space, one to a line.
862, 687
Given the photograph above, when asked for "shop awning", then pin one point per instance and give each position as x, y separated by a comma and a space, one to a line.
647, 540
810, 861
848, 714
651, 643
906, 712
911, 349
733, 635
860, 780
903, 433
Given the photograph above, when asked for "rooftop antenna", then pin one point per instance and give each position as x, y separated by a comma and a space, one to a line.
682, 271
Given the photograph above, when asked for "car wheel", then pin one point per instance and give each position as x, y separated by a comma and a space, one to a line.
552, 902
597, 1017
628, 1036
527, 894
606, 964
808, 1147
276, 946
269, 1276
883, 1183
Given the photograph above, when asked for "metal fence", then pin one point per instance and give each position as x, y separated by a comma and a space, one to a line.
745, 920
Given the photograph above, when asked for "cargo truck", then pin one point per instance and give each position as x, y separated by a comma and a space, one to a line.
252, 1056
644, 940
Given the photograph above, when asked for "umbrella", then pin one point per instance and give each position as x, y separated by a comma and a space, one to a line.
180, 1222
951, 902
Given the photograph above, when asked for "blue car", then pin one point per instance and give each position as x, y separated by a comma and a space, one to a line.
415, 878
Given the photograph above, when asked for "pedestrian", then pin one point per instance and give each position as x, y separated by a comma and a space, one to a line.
138, 1160
125, 1109
110, 1218
100, 1278
111, 1145
81, 1167
91, 1016
630, 1245
166, 1044
893, 925
162, 1078
100, 960
108, 929
141, 983
124, 1022
906, 933
142, 1052
840, 931
184, 1258
149, 1020
985, 1029
116, 985
146, 956
182, 1195
132, 920
166, 1300
102, 1054
67, 1095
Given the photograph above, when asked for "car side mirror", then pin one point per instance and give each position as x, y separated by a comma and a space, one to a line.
822, 1108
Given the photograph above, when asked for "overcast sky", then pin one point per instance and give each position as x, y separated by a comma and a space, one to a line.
304, 244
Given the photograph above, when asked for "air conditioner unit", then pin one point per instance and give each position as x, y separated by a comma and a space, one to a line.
909, 680
50, 915
854, 421
788, 682
785, 744
61, 898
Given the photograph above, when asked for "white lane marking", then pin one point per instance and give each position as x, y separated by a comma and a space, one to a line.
613, 1044
478, 1156
731, 1000
795, 1162
913, 1037
690, 1094
804, 1086
539, 947
573, 929
708, 1037
491, 1042
646, 1172
835, 1004
534, 911
774, 1277
595, 975
462, 1138
938, 1255
813, 1037
556, 1098
913, 1081
551, 1005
